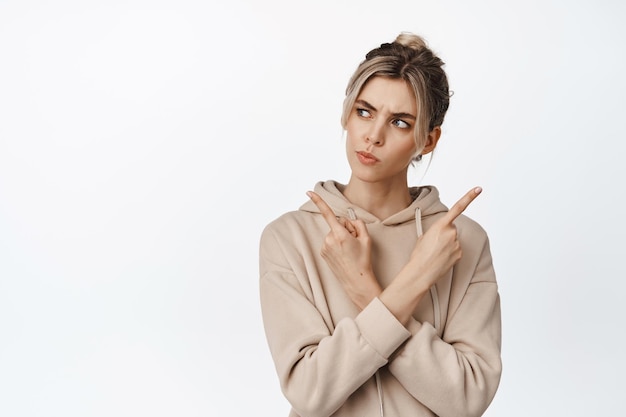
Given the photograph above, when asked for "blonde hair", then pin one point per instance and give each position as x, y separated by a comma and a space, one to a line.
407, 58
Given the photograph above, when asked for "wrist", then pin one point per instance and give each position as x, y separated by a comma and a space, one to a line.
403, 295
367, 289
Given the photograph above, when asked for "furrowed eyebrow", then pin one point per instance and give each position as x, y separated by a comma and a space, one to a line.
368, 106
365, 104
404, 116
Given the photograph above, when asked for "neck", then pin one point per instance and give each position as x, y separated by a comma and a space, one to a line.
380, 199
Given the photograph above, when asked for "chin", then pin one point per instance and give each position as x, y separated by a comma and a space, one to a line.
369, 177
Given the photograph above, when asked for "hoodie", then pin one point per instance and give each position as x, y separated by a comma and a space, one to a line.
333, 359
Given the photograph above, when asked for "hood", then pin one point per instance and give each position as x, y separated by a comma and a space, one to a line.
425, 200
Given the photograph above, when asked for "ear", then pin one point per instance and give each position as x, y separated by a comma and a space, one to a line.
431, 140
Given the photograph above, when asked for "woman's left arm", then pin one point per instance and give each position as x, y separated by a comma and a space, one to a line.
458, 373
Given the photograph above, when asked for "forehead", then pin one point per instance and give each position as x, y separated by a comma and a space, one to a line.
394, 95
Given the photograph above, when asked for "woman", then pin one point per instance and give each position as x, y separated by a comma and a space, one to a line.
377, 300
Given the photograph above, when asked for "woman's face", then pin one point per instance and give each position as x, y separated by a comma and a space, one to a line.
380, 131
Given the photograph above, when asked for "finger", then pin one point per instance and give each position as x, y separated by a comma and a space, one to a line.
347, 224
325, 210
361, 229
460, 206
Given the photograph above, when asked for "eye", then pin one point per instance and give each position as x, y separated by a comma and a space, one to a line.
363, 113
400, 123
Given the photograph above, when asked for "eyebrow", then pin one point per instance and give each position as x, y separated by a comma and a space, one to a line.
400, 115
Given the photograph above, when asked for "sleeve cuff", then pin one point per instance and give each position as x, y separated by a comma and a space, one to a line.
414, 326
381, 329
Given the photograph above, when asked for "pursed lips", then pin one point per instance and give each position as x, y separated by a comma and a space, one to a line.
367, 158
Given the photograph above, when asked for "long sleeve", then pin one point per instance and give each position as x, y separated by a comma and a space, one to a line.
319, 364
326, 351
458, 374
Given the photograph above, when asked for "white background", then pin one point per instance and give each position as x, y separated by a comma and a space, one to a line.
145, 144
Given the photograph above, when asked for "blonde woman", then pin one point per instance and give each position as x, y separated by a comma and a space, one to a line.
377, 299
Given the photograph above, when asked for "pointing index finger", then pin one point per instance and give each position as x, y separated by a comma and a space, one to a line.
460, 206
325, 210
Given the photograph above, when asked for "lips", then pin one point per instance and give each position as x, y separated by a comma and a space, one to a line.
367, 158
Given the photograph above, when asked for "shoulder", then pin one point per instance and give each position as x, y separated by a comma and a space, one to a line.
287, 221
470, 226
287, 241
476, 263
470, 232
291, 227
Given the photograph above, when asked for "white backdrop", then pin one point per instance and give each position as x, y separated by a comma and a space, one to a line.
145, 144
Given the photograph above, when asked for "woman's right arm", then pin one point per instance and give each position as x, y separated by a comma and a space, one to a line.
319, 365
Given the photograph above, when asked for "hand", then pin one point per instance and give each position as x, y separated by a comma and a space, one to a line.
437, 250
347, 251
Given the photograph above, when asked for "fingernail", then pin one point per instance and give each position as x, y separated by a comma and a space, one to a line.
309, 194
478, 190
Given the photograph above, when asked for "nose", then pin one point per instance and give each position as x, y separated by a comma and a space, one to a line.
376, 135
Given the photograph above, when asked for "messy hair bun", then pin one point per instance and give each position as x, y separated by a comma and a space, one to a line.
411, 40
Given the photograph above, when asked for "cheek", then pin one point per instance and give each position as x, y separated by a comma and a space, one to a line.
412, 149
352, 135
407, 152
349, 142
351, 146
351, 129
406, 144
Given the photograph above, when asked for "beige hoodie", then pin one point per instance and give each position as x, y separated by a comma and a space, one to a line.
334, 360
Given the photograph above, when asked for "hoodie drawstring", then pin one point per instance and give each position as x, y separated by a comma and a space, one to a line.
351, 213
433, 289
